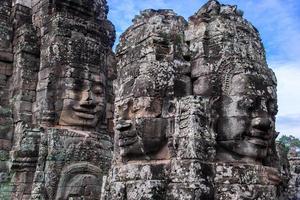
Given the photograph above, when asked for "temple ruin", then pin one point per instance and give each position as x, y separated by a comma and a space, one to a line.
183, 110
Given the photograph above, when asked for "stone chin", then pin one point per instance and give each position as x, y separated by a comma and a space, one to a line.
248, 149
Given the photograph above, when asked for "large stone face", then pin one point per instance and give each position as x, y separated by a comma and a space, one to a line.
201, 130
229, 65
59, 64
149, 57
158, 140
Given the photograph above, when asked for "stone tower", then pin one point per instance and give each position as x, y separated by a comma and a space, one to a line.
215, 138
57, 72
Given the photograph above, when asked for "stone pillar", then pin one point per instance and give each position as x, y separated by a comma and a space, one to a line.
161, 134
192, 171
6, 69
228, 66
294, 183
73, 91
23, 93
61, 98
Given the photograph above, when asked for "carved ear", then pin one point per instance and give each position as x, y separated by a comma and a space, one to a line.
214, 102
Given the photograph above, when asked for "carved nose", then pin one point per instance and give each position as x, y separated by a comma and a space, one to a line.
123, 125
87, 100
263, 124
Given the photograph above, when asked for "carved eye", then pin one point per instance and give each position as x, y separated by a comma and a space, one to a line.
247, 103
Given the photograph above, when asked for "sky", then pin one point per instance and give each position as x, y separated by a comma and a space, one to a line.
278, 22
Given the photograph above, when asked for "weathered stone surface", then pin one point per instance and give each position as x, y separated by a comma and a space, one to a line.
56, 73
191, 106
210, 121
293, 185
228, 66
6, 121
71, 164
162, 136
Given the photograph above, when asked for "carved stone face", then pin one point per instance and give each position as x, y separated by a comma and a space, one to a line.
84, 102
80, 186
246, 125
140, 130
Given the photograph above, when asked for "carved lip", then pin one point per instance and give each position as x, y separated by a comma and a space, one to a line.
85, 110
85, 115
264, 135
258, 141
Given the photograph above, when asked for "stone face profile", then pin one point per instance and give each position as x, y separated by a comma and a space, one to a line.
184, 110
145, 84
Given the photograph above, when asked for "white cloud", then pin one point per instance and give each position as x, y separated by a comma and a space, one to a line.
289, 126
288, 77
278, 23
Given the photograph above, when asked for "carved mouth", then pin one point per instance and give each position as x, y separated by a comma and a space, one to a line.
127, 141
265, 135
85, 115
258, 141
258, 137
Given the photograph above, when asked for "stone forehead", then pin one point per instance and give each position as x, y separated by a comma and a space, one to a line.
252, 80
149, 26
249, 84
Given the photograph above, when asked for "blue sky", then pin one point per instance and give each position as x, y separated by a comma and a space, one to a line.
278, 22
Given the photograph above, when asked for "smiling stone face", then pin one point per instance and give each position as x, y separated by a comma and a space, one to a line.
152, 72
139, 128
83, 102
246, 126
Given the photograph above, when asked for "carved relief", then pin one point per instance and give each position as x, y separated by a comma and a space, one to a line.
194, 105
80, 180
62, 84
140, 129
